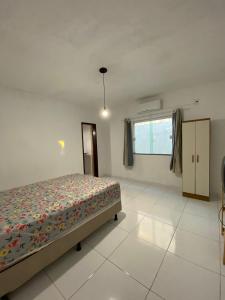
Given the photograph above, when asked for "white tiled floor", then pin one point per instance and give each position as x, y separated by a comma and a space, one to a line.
163, 246
153, 296
222, 287
155, 232
221, 261
178, 279
107, 239
200, 225
128, 220
199, 250
39, 288
63, 272
135, 262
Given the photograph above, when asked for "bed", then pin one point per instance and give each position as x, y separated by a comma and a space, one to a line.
41, 221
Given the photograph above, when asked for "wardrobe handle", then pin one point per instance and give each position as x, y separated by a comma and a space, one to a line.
197, 158
193, 158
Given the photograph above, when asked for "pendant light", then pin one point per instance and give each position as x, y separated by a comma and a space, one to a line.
104, 112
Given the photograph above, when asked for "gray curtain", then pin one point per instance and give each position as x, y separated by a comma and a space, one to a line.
176, 159
128, 157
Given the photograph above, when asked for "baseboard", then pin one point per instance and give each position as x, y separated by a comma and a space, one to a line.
174, 187
195, 196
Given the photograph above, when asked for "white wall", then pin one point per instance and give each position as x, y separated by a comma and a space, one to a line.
30, 127
156, 168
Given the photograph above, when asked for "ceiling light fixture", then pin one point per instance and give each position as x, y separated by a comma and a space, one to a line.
104, 112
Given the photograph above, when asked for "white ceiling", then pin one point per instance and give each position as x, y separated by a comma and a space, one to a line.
55, 47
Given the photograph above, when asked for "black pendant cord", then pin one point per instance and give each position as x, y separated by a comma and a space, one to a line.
104, 89
103, 70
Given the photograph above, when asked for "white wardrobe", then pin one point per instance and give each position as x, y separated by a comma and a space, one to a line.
196, 155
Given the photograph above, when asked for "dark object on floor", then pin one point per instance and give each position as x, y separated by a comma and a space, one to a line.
115, 218
79, 246
4, 297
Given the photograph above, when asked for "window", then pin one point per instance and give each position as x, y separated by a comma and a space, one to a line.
153, 137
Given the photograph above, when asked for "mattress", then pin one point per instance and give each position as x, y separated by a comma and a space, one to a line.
35, 215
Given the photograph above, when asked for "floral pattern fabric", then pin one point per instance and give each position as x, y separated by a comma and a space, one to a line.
34, 215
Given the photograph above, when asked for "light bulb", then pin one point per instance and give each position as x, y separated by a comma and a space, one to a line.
105, 113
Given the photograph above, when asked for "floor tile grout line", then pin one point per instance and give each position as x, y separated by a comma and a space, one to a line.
162, 298
106, 259
204, 203
110, 255
118, 267
128, 274
175, 228
89, 278
52, 281
160, 220
182, 213
156, 217
195, 264
198, 234
202, 217
92, 274
136, 225
164, 257
128, 234
114, 248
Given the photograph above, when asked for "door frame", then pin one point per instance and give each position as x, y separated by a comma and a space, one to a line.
95, 146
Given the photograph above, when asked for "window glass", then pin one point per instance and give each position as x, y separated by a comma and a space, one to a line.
153, 137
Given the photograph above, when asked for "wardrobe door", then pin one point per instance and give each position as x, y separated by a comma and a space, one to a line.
188, 140
202, 157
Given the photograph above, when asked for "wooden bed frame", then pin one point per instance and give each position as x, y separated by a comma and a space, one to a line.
16, 275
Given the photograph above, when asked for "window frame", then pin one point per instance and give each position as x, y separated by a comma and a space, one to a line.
146, 120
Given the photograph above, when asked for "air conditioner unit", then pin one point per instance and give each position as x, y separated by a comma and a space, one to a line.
152, 105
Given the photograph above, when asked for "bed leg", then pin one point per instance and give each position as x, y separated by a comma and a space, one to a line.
115, 218
5, 297
78, 246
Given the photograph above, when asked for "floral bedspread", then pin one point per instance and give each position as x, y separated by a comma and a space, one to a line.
34, 215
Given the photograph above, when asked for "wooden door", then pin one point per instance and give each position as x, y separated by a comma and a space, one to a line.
202, 157
188, 152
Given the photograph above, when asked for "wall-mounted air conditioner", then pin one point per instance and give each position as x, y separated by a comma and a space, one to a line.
149, 106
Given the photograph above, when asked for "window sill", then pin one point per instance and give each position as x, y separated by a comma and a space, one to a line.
152, 154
